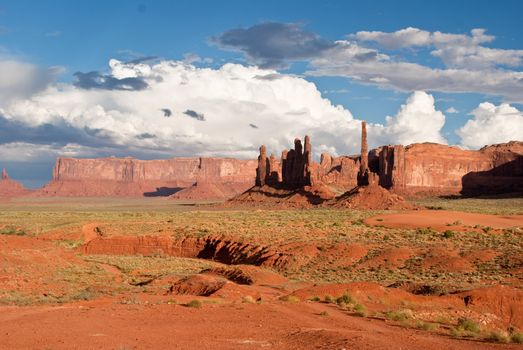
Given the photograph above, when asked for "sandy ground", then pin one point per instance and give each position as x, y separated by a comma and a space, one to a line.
108, 325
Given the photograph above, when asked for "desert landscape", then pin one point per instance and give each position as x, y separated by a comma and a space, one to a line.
262, 174
420, 246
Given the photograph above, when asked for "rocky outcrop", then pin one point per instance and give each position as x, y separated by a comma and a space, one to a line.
417, 169
435, 168
134, 177
292, 172
11, 188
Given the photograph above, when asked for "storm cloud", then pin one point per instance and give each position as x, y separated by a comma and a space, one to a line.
272, 44
96, 80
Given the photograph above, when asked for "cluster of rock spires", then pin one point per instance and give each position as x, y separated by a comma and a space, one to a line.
297, 181
418, 169
293, 171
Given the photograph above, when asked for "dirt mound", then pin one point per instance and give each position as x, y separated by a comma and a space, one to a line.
372, 197
201, 285
393, 257
503, 301
345, 255
208, 190
305, 197
247, 274
446, 260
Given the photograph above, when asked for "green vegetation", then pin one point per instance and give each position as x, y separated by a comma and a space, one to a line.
517, 337
468, 325
344, 300
12, 231
484, 205
194, 304
497, 337
448, 234
399, 315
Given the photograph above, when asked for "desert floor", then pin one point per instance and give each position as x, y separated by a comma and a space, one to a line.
98, 273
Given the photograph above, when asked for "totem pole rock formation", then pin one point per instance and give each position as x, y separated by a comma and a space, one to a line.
363, 174
262, 170
4, 174
307, 157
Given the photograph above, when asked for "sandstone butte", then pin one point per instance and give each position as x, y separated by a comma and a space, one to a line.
10, 188
417, 169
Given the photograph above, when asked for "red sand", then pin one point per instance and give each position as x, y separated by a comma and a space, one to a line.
110, 325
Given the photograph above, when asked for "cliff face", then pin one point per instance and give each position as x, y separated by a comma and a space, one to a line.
443, 169
134, 177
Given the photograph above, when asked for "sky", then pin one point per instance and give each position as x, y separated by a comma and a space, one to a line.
158, 79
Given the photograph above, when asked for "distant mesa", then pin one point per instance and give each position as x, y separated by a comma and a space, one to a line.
129, 177
380, 176
11, 188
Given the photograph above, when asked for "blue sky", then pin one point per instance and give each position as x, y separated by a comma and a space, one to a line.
82, 36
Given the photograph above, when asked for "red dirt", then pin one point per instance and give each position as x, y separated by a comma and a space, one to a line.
267, 196
106, 324
210, 191
345, 255
249, 275
394, 257
505, 302
446, 260
365, 197
201, 285
441, 219
371, 197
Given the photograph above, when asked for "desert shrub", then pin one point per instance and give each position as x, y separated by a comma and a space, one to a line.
194, 304
517, 337
448, 234
425, 230
469, 325
344, 299
497, 337
360, 310
433, 207
316, 298
12, 231
486, 229
324, 313
358, 222
400, 315
329, 299
427, 326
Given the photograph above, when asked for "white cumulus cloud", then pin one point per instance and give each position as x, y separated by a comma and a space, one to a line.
181, 110
416, 121
492, 124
